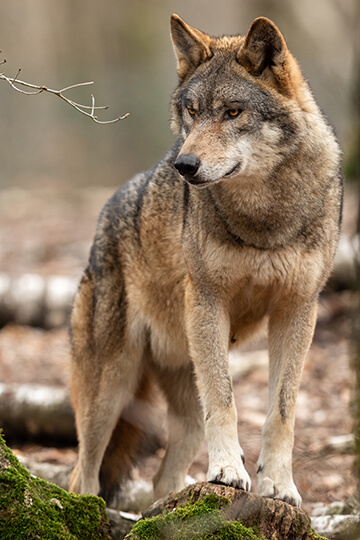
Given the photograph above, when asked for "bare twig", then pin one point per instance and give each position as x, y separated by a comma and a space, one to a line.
83, 109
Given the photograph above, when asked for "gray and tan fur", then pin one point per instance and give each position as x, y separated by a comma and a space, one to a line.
236, 228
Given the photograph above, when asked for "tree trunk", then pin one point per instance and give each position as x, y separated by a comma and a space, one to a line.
266, 518
356, 109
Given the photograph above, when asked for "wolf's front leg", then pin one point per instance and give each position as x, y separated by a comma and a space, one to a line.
207, 326
291, 330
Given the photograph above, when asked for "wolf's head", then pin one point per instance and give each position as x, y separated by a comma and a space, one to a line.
239, 107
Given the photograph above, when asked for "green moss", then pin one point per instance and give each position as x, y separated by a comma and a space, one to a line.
32, 508
316, 536
201, 520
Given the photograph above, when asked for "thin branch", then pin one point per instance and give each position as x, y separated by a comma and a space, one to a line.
76, 86
16, 76
60, 93
92, 104
11, 82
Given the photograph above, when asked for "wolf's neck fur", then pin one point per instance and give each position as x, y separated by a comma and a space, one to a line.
274, 210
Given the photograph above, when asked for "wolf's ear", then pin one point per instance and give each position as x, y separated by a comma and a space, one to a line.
264, 53
191, 46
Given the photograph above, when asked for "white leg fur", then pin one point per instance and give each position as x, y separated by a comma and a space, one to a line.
225, 453
275, 472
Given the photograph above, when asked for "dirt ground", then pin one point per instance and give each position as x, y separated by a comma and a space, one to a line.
46, 234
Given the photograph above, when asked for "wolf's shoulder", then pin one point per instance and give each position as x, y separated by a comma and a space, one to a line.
155, 190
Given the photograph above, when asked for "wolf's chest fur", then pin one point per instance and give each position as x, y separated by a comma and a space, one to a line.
176, 233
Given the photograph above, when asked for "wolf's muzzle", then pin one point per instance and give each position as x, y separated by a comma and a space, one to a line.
187, 164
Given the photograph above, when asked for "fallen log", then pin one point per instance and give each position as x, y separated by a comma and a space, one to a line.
37, 412
35, 300
207, 509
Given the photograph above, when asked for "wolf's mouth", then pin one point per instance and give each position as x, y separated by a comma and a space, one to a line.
198, 182
193, 181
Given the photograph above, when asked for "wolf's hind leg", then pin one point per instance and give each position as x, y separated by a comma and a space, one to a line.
186, 430
104, 371
98, 403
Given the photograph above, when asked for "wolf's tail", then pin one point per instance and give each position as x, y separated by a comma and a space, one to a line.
136, 435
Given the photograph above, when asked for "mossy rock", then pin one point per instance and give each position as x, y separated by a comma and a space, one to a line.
205, 511
31, 508
201, 519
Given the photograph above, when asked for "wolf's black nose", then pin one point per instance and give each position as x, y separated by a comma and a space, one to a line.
187, 164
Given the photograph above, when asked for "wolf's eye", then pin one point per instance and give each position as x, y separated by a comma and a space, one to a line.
232, 113
192, 112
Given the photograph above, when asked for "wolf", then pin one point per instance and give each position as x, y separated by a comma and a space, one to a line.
235, 230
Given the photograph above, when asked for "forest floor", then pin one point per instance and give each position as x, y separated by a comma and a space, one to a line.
46, 234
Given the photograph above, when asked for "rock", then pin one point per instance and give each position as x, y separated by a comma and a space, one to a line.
121, 523
338, 527
335, 508
204, 510
51, 472
338, 520
33, 508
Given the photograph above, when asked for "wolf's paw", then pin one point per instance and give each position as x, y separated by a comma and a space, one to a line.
279, 490
230, 476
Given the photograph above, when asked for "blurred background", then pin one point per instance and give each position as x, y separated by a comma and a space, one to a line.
125, 48
57, 169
